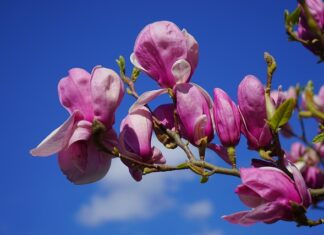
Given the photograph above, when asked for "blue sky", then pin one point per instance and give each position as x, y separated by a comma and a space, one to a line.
41, 40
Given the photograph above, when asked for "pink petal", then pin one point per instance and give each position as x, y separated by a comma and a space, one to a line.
268, 213
248, 196
146, 97
107, 92
199, 128
58, 139
135, 62
221, 151
83, 131
82, 163
193, 50
74, 92
306, 199
181, 71
157, 156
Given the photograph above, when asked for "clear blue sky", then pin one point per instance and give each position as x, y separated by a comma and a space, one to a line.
41, 40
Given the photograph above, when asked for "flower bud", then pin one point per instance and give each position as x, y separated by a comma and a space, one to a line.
165, 53
227, 119
297, 151
194, 111
314, 177
251, 101
135, 141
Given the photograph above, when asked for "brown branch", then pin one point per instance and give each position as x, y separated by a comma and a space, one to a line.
317, 194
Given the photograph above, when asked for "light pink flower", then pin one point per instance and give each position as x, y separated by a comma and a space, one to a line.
135, 141
165, 53
251, 101
87, 98
269, 192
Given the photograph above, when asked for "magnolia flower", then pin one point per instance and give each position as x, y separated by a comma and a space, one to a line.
227, 119
251, 101
87, 98
320, 149
279, 96
194, 109
135, 141
165, 53
269, 192
316, 8
314, 177
319, 99
297, 151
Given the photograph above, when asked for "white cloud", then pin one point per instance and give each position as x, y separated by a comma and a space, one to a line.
199, 210
120, 198
211, 232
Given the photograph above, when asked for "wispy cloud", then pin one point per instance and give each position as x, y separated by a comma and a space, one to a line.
210, 232
199, 210
120, 198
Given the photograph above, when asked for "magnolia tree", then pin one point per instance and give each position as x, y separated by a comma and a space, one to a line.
281, 185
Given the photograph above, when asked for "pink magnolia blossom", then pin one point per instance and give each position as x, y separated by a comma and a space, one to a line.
135, 140
87, 98
316, 8
251, 101
194, 109
319, 99
269, 192
165, 53
314, 177
320, 149
297, 151
227, 119
279, 96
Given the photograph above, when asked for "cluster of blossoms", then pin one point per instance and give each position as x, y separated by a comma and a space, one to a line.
309, 19
86, 142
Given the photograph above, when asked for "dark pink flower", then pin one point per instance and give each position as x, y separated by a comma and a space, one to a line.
251, 101
227, 119
316, 8
314, 177
269, 192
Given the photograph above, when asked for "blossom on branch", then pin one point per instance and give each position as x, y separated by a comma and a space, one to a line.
135, 141
165, 53
270, 193
251, 101
87, 98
